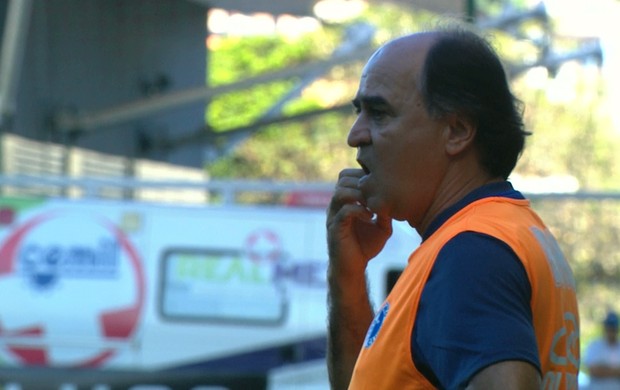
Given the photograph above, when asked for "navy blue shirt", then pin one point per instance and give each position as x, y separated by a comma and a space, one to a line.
475, 307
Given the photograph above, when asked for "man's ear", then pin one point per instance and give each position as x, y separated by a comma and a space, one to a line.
460, 134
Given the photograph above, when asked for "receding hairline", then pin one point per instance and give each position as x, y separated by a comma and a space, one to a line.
427, 39
416, 45
413, 42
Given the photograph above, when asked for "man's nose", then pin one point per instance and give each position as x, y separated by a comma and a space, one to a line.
359, 134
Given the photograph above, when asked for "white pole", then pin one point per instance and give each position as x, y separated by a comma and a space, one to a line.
12, 54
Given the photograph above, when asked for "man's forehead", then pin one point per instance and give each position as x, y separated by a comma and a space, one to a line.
401, 58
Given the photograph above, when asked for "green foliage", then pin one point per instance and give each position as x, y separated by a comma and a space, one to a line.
585, 229
570, 138
588, 231
298, 152
236, 59
392, 20
303, 151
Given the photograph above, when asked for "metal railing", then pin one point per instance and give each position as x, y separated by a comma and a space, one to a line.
218, 191
212, 191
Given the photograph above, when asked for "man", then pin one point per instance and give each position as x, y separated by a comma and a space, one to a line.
603, 357
487, 301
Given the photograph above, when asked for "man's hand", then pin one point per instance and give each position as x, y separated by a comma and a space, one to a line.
354, 236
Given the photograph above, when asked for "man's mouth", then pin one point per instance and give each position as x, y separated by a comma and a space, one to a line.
364, 168
366, 176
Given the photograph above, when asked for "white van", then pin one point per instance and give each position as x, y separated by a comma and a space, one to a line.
99, 294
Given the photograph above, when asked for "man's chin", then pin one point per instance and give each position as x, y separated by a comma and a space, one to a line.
374, 204
382, 209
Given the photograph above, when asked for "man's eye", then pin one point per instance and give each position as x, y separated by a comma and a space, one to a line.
376, 114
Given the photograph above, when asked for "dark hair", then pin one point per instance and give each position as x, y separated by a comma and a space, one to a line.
462, 74
611, 320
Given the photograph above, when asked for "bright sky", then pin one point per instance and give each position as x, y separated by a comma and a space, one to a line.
594, 18
221, 21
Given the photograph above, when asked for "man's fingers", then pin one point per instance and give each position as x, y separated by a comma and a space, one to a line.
385, 223
346, 190
352, 211
351, 172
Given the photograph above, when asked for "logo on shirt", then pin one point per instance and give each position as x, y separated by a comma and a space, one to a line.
376, 325
562, 273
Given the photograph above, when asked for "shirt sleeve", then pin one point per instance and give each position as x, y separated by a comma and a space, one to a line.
474, 311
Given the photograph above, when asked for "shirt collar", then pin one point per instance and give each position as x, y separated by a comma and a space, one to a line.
502, 188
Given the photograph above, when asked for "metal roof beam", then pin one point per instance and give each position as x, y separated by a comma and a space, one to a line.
89, 121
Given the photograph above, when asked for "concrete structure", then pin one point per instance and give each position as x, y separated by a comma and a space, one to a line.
75, 57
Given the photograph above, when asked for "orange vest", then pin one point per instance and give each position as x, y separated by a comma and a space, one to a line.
387, 363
